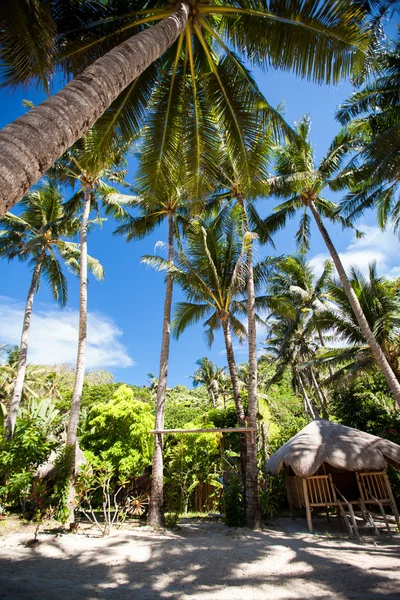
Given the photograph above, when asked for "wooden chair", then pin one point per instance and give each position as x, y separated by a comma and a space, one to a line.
375, 490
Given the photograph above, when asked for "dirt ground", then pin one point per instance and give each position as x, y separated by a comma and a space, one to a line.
200, 560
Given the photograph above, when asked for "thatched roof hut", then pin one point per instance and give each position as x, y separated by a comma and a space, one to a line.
342, 447
330, 465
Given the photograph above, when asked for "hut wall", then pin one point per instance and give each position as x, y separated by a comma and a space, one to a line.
345, 481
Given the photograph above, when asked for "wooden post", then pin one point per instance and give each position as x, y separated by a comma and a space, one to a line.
392, 500
308, 508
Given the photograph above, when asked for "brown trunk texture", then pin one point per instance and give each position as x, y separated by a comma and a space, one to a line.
23, 354
253, 518
156, 512
236, 395
376, 350
32, 143
72, 430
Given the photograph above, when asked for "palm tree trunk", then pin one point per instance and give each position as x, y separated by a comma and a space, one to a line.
32, 143
236, 394
212, 398
156, 512
321, 398
251, 485
306, 399
376, 350
23, 353
72, 430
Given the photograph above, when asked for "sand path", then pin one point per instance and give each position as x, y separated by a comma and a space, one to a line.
201, 561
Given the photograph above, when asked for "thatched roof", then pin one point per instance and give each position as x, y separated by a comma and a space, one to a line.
340, 446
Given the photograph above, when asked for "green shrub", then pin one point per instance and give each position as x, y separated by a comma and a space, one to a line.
118, 432
234, 503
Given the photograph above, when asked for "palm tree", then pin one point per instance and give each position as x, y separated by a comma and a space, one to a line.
193, 45
38, 380
37, 235
380, 301
243, 186
301, 183
94, 175
372, 117
171, 204
209, 374
213, 273
296, 298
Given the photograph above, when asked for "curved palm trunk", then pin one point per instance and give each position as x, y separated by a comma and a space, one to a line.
23, 353
321, 397
376, 350
252, 505
156, 512
307, 403
72, 431
213, 402
32, 143
236, 395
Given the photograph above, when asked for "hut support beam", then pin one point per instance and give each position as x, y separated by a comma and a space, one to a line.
308, 508
392, 500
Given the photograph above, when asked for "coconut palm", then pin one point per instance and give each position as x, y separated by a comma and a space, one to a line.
195, 45
212, 273
95, 192
380, 301
301, 183
242, 190
37, 235
209, 375
171, 204
38, 380
296, 298
372, 116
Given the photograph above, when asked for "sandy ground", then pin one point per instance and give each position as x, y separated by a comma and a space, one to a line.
202, 560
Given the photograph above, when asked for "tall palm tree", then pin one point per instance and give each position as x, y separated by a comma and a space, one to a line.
194, 44
243, 187
37, 235
301, 183
372, 117
93, 173
209, 375
242, 184
212, 273
380, 301
170, 204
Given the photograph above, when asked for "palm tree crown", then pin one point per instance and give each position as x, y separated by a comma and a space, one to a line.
372, 118
39, 231
380, 301
193, 77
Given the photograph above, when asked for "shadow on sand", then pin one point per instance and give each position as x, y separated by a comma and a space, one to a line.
200, 560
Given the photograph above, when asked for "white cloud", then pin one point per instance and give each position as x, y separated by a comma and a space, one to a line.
383, 247
54, 334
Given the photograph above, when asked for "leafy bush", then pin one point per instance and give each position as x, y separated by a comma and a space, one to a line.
190, 460
30, 447
234, 503
272, 496
117, 432
367, 404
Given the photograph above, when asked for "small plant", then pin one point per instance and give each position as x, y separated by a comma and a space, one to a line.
234, 503
171, 520
42, 510
269, 498
94, 479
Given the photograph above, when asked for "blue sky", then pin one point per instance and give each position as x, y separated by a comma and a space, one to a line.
125, 311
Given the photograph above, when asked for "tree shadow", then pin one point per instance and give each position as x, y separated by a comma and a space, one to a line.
207, 561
